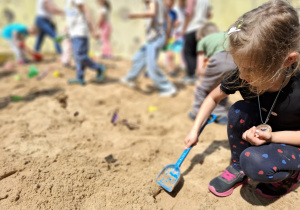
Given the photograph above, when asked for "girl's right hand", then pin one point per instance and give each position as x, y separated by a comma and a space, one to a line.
191, 139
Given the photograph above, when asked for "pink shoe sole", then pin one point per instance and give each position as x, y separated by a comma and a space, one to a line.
228, 192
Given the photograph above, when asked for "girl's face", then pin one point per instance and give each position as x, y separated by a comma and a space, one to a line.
170, 4
101, 2
181, 3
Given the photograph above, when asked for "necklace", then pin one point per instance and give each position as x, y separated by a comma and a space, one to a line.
264, 126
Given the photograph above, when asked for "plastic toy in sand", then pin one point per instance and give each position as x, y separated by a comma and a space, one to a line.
33, 71
16, 98
17, 77
152, 109
114, 117
56, 74
43, 75
60, 38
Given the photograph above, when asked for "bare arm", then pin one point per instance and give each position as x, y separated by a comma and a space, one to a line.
49, 6
200, 63
208, 105
149, 14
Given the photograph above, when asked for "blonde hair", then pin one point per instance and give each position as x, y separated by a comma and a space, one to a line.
268, 34
206, 29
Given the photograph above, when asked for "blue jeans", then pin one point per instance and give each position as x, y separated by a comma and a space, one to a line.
45, 27
80, 47
147, 57
266, 163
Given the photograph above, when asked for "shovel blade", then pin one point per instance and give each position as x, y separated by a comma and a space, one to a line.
169, 177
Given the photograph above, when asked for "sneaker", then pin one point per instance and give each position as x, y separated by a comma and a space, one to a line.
189, 80
76, 81
191, 116
168, 93
279, 189
101, 74
173, 74
127, 82
224, 184
221, 119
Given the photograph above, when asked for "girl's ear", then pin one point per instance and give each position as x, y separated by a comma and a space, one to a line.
292, 58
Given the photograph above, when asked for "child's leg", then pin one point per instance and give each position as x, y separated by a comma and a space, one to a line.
40, 37
47, 28
218, 66
270, 162
170, 61
190, 53
241, 116
66, 56
105, 37
78, 50
153, 70
138, 63
19, 55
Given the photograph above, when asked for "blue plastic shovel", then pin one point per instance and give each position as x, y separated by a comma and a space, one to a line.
170, 175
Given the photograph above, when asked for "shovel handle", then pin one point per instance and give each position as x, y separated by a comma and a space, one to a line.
186, 151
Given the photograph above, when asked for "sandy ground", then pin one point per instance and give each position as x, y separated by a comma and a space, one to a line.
58, 149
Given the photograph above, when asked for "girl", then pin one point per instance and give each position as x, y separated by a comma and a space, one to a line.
105, 28
155, 16
263, 129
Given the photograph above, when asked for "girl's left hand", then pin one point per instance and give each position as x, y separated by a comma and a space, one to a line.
257, 137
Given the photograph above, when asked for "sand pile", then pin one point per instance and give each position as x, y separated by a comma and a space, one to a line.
59, 149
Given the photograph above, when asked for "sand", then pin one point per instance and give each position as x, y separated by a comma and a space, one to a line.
59, 149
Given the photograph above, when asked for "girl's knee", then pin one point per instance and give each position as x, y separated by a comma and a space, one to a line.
242, 113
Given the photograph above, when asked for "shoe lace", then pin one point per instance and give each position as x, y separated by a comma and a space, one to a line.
228, 176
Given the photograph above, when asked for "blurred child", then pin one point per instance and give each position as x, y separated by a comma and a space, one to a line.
15, 34
45, 9
105, 28
211, 46
197, 12
155, 16
79, 23
170, 55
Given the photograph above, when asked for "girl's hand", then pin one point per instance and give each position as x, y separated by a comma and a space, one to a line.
257, 137
191, 139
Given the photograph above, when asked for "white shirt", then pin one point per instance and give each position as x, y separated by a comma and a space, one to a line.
76, 21
154, 26
200, 15
105, 12
41, 10
180, 17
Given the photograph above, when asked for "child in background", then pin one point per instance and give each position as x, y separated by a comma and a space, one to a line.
15, 34
170, 53
45, 9
197, 12
211, 46
105, 28
155, 16
180, 11
264, 44
79, 23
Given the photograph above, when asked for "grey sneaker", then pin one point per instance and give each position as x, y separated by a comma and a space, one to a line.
168, 93
127, 82
189, 80
224, 184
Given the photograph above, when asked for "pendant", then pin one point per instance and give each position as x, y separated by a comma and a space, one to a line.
264, 127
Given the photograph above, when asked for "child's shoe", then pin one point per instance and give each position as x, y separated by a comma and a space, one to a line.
191, 116
127, 82
279, 189
224, 184
168, 93
76, 81
101, 74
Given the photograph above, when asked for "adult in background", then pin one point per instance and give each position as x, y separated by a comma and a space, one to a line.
196, 14
45, 9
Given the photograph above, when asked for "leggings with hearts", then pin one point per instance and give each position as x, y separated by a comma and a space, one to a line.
266, 163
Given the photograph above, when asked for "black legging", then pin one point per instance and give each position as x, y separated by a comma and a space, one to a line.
190, 53
266, 163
